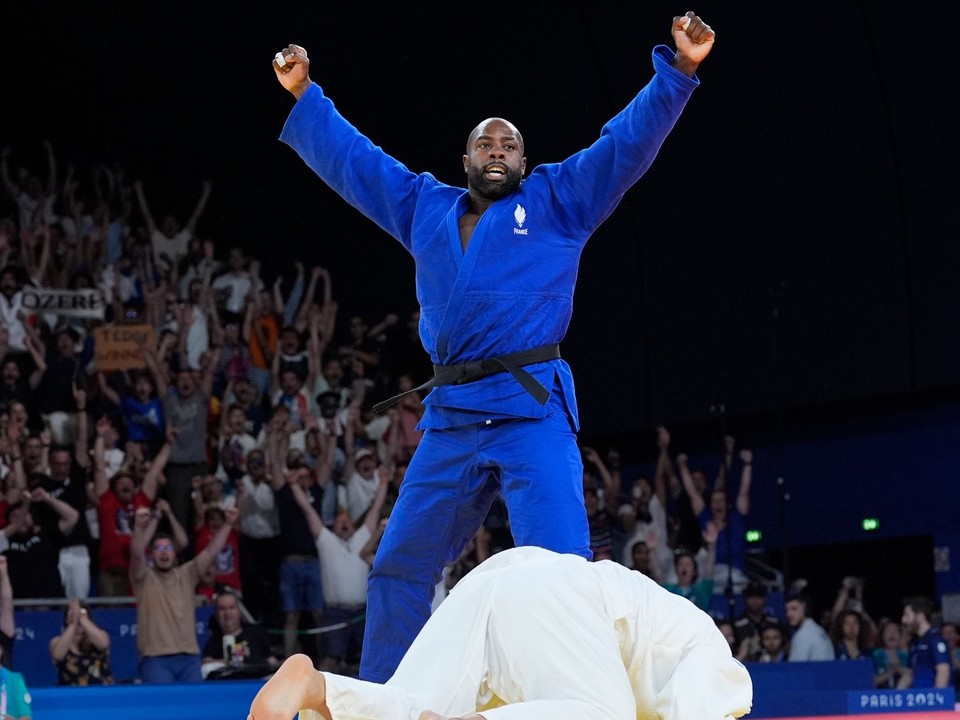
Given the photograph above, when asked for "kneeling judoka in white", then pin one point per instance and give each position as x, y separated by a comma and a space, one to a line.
533, 635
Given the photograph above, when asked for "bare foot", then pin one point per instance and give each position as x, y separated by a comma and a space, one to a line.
294, 687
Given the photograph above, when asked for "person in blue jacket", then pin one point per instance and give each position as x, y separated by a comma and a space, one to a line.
496, 265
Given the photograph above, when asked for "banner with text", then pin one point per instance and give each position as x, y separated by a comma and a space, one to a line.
118, 347
85, 303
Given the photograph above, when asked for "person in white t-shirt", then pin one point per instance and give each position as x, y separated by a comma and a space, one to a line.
342, 552
168, 240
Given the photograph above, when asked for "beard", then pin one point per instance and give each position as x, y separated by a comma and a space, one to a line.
490, 190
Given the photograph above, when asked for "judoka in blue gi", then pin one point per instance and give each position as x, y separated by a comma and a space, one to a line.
496, 266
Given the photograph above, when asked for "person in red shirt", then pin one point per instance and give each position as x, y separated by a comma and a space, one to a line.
118, 500
227, 562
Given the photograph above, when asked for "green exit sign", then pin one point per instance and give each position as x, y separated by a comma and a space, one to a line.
754, 536
870, 524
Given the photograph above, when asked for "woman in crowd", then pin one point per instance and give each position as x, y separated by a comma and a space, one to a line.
850, 637
82, 651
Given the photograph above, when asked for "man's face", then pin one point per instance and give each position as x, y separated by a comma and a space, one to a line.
21, 517
228, 614
949, 632
755, 603
11, 372
366, 467
342, 526
238, 421
186, 384
33, 449
290, 382
59, 464
289, 342
358, 328
796, 613
65, 345
124, 489
256, 465
164, 554
910, 620
494, 161
246, 393
8, 284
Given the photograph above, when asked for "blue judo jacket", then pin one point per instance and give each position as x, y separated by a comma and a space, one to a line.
513, 288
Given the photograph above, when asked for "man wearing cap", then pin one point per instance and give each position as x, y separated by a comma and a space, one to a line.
361, 486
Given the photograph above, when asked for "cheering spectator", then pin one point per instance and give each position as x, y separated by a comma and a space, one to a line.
118, 500
342, 566
168, 240
34, 550
689, 585
890, 660
81, 651
166, 634
226, 564
258, 538
185, 408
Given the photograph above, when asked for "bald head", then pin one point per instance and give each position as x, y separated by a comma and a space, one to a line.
492, 127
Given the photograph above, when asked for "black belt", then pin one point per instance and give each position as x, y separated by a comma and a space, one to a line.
476, 369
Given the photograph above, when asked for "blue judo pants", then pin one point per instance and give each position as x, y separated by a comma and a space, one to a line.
446, 493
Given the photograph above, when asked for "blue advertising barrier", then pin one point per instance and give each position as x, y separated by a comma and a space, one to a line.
227, 700
35, 629
806, 688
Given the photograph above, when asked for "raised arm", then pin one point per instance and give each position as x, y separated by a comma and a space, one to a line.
151, 479
144, 207
696, 499
144, 526
7, 625
664, 476
35, 348
746, 478
180, 539
111, 395
206, 556
201, 204
81, 444
210, 372
101, 483
153, 365
610, 484
372, 518
313, 519
67, 514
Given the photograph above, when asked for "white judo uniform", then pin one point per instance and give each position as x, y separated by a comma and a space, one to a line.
531, 635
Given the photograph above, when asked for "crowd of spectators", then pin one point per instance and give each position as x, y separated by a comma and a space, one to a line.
175, 425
